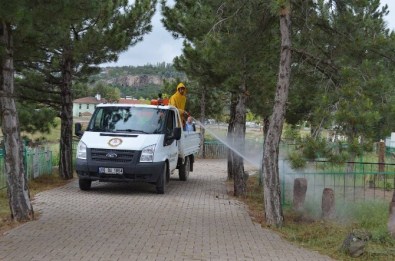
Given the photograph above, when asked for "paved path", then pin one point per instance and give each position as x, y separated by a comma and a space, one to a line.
194, 220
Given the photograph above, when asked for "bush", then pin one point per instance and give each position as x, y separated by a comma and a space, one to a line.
291, 133
297, 160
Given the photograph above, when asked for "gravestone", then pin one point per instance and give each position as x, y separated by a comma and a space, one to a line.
328, 203
300, 188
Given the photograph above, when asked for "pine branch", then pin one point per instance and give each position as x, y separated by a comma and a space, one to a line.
329, 69
384, 55
40, 90
52, 103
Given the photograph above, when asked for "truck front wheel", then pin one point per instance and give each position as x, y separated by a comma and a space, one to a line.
85, 184
183, 171
162, 180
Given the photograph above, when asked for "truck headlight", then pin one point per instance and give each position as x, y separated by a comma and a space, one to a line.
81, 150
147, 155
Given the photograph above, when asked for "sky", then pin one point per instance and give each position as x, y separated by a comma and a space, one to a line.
159, 45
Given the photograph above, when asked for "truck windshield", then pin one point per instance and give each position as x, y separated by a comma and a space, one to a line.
128, 119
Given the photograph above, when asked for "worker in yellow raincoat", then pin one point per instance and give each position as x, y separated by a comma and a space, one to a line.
179, 100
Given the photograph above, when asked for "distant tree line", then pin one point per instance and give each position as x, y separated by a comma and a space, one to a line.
162, 70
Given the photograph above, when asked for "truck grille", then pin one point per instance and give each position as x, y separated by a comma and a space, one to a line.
112, 155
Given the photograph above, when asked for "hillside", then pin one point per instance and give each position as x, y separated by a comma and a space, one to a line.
138, 81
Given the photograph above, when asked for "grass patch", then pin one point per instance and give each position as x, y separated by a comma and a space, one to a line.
327, 237
45, 182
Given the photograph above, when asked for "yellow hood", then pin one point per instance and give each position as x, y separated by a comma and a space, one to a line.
181, 85
178, 100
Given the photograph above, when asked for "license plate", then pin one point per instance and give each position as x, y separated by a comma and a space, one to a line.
112, 171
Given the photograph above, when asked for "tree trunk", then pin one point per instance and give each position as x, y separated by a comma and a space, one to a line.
350, 163
352, 153
202, 120
240, 182
17, 187
66, 129
381, 151
266, 123
391, 218
230, 134
265, 127
272, 193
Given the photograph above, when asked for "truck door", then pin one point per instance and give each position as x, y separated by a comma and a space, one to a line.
171, 146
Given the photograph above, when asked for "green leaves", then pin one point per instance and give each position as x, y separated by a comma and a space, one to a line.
35, 118
227, 43
346, 49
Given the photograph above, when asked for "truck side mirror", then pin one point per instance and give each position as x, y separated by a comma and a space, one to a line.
78, 129
177, 133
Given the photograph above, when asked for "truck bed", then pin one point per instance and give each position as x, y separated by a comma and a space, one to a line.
189, 144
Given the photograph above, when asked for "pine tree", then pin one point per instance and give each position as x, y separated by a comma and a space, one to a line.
227, 56
347, 53
83, 35
12, 17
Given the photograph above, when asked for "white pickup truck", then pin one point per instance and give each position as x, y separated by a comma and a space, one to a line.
127, 143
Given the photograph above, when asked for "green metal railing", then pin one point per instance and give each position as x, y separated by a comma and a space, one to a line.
215, 150
350, 181
37, 162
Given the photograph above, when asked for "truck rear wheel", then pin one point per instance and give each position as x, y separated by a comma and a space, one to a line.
162, 180
183, 171
85, 184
